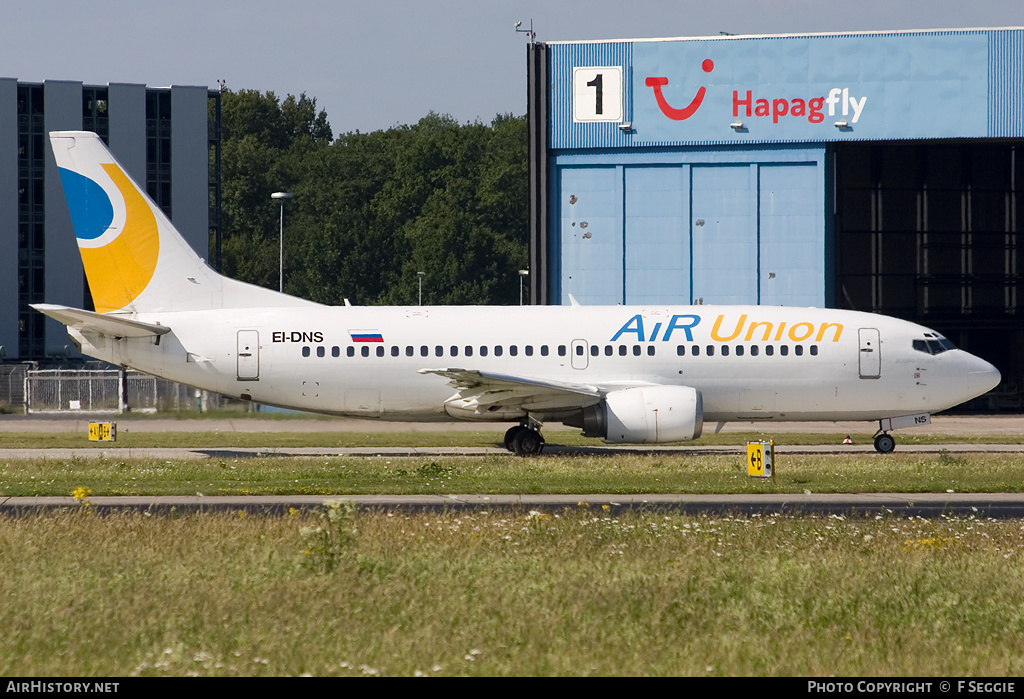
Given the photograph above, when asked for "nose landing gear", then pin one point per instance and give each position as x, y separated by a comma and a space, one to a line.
884, 443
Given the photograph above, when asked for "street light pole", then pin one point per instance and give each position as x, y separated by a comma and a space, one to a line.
523, 273
281, 196
420, 275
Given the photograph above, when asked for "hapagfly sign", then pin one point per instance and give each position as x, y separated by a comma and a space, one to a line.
812, 88
794, 88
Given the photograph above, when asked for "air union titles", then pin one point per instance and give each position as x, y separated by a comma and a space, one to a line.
727, 330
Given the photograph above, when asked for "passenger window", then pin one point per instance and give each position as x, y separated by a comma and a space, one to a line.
438, 351
335, 351
650, 350
622, 350
798, 350
483, 350
769, 350
513, 351
529, 350
753, 350
469, 350
350, 351
394, 350
498, 350
305, 351
543, 350
725, 350
561, 350
594, 350
739, 350
408, 350
636, 350
607, 350
424, 350
695, 350
680, 350
711, 350
365, 351
321, 352
579, 350
455, 351
784, 350
814, 350
380, 351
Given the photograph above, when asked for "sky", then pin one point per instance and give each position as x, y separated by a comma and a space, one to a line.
373, 65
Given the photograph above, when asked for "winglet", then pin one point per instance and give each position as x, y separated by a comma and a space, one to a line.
573, 301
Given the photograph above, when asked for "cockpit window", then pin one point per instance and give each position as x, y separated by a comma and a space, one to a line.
935, 344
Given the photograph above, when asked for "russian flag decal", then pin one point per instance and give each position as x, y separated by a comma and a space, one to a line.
365, 336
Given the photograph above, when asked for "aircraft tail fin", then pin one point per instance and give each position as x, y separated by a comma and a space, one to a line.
134, 258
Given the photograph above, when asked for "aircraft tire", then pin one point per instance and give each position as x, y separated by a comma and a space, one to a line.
884, 443
511, 434
527, 442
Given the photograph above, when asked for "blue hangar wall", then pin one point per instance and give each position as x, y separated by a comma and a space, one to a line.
703, 169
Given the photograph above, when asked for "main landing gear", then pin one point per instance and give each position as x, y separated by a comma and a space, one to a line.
524, 440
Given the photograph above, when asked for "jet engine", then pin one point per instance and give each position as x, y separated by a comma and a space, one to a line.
645, 415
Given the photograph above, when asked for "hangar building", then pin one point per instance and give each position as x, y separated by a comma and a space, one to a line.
163, 136
870, 171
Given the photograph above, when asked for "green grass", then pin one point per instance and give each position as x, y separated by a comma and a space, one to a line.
614, 473
136, 437
510, 594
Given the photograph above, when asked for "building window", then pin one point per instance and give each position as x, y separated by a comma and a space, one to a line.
158, 148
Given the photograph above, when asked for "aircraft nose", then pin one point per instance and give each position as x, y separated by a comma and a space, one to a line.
982, 377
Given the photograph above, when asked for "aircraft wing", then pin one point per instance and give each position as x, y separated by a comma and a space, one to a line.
102, 323
485, 392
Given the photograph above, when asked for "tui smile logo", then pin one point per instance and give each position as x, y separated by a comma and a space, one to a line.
686, 112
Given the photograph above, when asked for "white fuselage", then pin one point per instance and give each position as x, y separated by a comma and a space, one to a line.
748, 362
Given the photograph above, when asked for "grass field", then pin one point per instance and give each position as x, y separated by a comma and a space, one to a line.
509, 594
571, 593
614, 473
483, 438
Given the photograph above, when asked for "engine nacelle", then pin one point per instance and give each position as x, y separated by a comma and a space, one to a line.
646, 415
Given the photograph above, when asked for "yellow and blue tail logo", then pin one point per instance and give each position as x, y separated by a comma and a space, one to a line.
117, 234
136, 261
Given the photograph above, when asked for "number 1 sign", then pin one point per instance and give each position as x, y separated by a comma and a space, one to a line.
597, 94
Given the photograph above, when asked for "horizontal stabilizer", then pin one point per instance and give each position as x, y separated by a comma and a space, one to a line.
102, 323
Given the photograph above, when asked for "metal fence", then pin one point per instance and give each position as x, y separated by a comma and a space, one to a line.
12, 386
107, 391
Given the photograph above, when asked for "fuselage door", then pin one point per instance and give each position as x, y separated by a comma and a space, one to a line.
580, 357
870, 361
248, 355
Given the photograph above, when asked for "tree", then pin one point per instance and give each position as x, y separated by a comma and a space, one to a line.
372, 210
262, 138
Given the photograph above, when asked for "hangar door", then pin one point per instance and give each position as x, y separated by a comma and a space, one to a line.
591, 234
724, 234
681, 233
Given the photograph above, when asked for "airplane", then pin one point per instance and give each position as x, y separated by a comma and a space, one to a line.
626, 374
